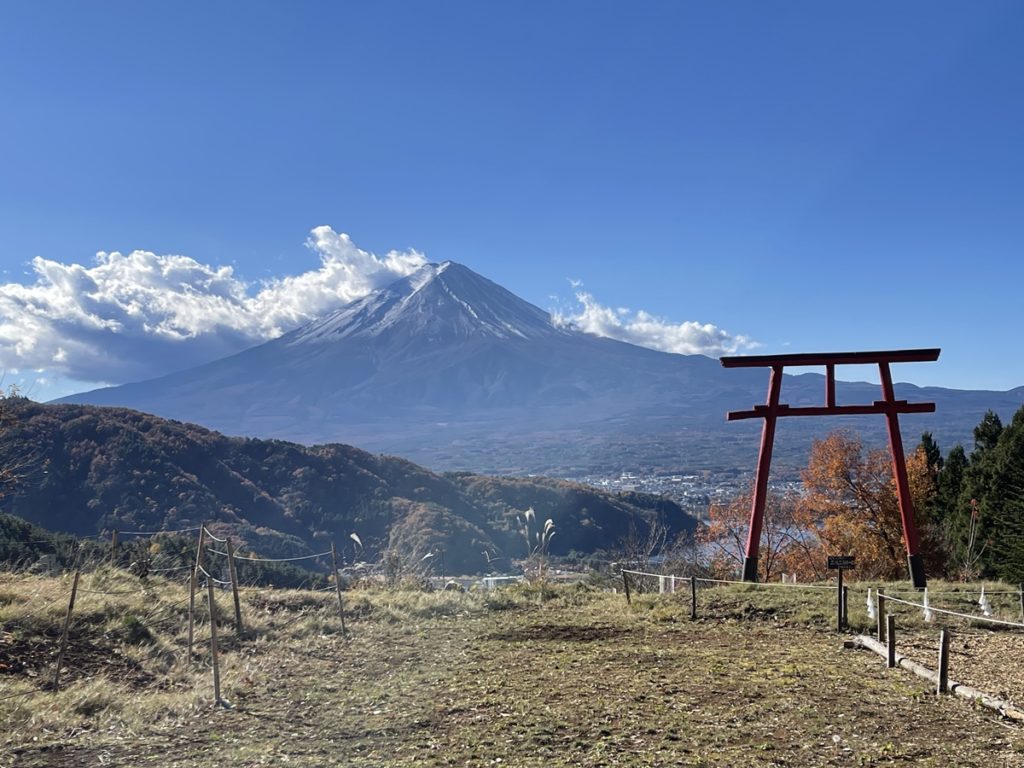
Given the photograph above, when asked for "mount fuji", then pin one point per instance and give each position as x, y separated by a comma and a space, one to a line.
451, 370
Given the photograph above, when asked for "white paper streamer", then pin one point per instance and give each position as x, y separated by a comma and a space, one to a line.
986, 606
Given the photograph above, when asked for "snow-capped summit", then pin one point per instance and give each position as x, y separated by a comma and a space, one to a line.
438, 301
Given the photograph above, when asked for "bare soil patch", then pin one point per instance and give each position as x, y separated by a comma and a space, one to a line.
34, 657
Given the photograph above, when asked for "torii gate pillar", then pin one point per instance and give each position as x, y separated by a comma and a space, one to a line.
888, 405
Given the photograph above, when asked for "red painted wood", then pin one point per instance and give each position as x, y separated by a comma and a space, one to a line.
834, 358
759, 411
899, 464
764, 463
888, 406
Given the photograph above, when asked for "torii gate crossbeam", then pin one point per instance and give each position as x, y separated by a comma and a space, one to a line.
889, 406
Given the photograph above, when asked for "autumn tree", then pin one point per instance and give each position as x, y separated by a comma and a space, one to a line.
788, 543
850, 497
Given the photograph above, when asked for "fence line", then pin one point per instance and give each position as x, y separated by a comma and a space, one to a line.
212, 578
891, 599
59, 598
157, 533
158, 614
207, 532
270, 559
728, 581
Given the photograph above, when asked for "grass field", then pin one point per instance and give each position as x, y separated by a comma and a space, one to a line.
567, 677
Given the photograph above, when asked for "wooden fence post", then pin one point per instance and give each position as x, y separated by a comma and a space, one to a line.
192, 586
625, 586
234, 585
839, 601
890, 639
113, 547
1020, 588
64, 632
213, 641
693, 597
880, 613
337, 588
943, 677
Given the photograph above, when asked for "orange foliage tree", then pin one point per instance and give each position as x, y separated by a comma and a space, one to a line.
789, 544
848, 507
850, 498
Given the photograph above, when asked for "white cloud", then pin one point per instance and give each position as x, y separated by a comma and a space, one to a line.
646, 330
138, 315
133, 316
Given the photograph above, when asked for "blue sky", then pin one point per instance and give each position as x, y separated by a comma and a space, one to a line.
803, 176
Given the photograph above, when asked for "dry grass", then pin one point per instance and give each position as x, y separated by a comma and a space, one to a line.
527, 676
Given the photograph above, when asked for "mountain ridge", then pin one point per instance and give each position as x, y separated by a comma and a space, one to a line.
454, 371
93, 468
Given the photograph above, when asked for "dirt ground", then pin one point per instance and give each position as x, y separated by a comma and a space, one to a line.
562, 684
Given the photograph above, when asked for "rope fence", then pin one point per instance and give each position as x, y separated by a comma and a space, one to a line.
158, 533
89, 554
206, 531
667, 584
706, 580
271, 559
931, 608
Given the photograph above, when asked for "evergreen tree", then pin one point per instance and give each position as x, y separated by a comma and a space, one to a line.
1004, 500
951, 479
949, 485
932, 453
986, 434
929, 449
976, 485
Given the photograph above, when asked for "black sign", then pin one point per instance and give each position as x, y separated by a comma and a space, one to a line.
840, 562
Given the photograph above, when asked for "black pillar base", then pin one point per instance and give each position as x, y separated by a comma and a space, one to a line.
750, 568
917, 571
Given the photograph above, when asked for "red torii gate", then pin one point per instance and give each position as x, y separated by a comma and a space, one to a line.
888, 405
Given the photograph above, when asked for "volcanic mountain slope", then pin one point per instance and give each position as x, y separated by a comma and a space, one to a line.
450, 369
97, 468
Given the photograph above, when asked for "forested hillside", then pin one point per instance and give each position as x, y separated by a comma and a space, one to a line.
85, 469
979, 499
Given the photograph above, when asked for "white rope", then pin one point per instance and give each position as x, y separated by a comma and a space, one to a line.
769, 584
207, 574
653, 575
155, 533
967, 594
890, 598
271, 559
207, 532
727, 581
